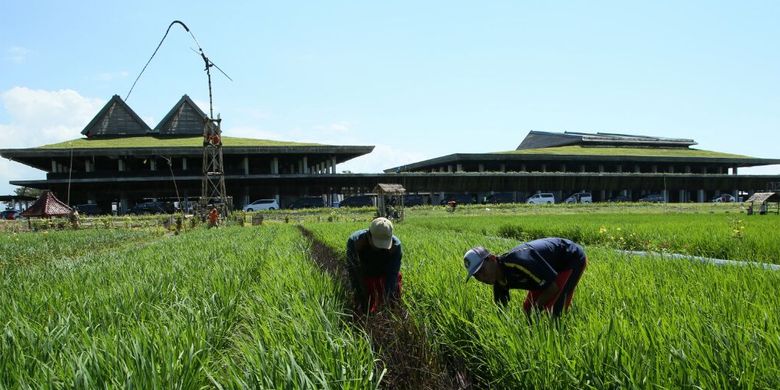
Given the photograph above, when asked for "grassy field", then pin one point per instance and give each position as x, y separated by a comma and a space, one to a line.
249, 306
150, 141
190, 311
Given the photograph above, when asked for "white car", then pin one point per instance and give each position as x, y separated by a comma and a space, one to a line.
580, 197
262, 204
541, 198
723, 198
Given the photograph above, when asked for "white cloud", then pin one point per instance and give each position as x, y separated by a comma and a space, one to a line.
39, 117
383, 157
17, 54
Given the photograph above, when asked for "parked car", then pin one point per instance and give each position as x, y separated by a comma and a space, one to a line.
620, 198
579, 197
500, 197
307, 202
88, 209
150, 208
358, 201
414, 200
653, 198
724, 198
541, 198
10, 214
262, 204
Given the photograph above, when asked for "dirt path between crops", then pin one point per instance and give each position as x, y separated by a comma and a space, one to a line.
403, 348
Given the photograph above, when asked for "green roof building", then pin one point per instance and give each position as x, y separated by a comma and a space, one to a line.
603, 163
121, 159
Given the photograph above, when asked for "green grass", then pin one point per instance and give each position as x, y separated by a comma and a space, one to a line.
231, 307
717, 235
245, 307
635, 323
149, 141
577, 150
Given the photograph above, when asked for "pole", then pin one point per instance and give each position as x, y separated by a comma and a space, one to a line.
70, 171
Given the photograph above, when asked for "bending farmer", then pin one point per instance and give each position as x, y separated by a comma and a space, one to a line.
549, 268
374, 262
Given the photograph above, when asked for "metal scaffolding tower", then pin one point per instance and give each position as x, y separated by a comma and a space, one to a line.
213, 181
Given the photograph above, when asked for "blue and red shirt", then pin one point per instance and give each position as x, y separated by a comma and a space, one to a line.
364, 260
534, 265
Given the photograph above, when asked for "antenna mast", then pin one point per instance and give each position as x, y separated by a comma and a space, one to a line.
213, 181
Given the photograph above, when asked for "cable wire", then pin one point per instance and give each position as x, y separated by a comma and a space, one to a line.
155, 52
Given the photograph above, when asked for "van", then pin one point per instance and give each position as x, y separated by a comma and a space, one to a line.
88, 209
500, 197
541, 198
579, 197
307, 202
262, 204
358, 201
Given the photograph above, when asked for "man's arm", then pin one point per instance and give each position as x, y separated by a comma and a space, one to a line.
353, 267
500, 295
391, 273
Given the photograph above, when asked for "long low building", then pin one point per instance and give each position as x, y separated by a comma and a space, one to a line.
608, 165
122, 160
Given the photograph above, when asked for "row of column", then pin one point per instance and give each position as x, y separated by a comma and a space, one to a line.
563, 168
326, 167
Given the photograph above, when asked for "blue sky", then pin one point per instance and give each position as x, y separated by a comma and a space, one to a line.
418, 80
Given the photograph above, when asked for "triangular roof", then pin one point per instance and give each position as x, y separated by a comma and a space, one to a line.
185, 118
116, 118
389, 188
46, 206
761, 197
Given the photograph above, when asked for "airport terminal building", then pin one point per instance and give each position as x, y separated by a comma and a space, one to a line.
121, 159
610, 166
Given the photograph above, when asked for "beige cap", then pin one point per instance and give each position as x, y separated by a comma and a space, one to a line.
381, 230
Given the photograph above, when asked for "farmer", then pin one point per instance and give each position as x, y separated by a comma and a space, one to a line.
374, 262
549, 268
213, 217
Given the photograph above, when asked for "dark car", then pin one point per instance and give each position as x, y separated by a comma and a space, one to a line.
88, 209
307, 202
653, 198
414, 200
10, 214
358, 201
459, 198
500, 197
149, 208
620, 198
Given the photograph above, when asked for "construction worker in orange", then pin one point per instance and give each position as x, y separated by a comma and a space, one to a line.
213, 217
374, 264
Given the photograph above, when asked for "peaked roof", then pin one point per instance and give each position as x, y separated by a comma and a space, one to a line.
543, 139
116, 118
389, 188
185, 118
47, 205
761, 197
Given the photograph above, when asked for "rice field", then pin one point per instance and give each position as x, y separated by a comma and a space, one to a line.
239, 307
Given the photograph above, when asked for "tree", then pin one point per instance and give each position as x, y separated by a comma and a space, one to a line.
24, 191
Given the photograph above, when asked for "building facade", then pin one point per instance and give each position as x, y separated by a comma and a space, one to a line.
122, 160
611, 166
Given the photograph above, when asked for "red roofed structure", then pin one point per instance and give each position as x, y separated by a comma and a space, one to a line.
47, 206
